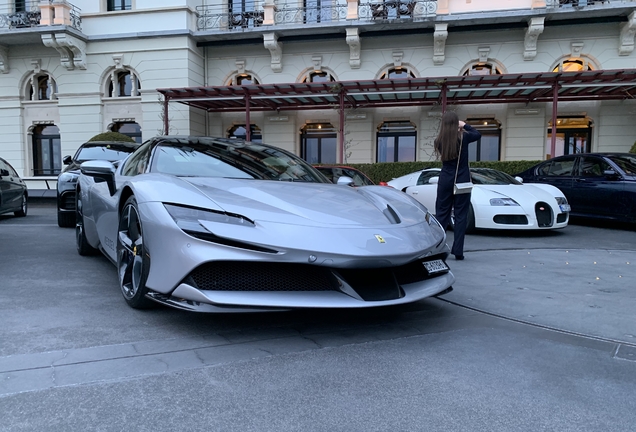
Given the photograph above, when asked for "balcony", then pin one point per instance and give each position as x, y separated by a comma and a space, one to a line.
249, 15
41, 13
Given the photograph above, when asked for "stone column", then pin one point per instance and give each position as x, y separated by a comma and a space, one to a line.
62, 12
352, 9
268, 12
46, 13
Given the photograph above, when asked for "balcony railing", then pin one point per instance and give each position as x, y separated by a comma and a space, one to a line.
555, 4
251, 15
58, 12
29, 17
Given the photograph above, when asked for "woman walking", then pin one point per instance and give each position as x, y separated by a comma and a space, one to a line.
451, 145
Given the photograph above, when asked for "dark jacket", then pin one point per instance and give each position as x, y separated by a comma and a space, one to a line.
448, 168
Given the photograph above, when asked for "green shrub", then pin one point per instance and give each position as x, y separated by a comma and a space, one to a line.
111, 136
387, 171
633, 149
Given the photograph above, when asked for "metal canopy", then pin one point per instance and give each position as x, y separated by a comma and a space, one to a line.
456, 90
442, 91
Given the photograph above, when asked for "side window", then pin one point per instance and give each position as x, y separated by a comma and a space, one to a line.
425, 177
4, 166
561, 168
137, 162
592, 167
544, 169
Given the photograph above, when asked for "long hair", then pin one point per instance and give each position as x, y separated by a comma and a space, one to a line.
446, 143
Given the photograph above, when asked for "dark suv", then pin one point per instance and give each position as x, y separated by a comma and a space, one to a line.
113, 151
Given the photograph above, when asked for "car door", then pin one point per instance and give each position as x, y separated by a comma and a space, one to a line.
593, 192
11, 186
425, 191
558, 172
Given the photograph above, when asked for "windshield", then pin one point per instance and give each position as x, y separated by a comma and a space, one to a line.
109, 152
626, 162
485, 176
232, 160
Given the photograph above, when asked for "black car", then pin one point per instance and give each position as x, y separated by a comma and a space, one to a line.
599, 185
13, 191
67, 180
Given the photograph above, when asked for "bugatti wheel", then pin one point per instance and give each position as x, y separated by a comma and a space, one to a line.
83, 247
132, 259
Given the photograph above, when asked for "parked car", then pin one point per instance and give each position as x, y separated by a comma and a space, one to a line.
67, 180
334, 172
598, 185
224, 225
498, 201
13, 191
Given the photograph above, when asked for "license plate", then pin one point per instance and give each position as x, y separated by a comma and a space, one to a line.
565, 207
435, 266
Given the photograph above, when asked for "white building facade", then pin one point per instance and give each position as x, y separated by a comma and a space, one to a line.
71, 71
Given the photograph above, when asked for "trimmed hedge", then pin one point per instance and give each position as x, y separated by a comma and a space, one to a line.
389, 170
633, 149
111, 136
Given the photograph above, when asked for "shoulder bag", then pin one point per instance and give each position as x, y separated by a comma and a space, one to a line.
465, 187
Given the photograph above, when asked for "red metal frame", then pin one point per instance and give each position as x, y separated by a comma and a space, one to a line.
456, 90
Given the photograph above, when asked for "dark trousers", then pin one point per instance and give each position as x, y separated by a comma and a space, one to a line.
444, 204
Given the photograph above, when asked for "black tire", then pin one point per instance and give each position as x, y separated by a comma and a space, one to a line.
133, 262
83, 247
66, 220
24, 207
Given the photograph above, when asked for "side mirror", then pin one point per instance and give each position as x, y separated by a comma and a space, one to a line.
67, 160
344, 180
433, 180
4, 173
610, 173
519, 179
100, 171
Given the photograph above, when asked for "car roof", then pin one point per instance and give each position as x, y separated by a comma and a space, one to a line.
106, 143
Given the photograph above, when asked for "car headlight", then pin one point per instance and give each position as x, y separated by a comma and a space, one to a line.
187, 218
68, 177
503, 202
561, 200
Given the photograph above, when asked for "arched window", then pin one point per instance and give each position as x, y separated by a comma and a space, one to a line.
131, 129
243, 79
47, 150
482, 69
577, 64
397, 73
318, 76
239, 131
41, 87
396, 142
318, 143
123, 83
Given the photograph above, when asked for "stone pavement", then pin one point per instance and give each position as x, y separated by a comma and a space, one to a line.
588, 291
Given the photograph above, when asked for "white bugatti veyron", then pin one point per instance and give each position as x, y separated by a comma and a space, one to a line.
498, 200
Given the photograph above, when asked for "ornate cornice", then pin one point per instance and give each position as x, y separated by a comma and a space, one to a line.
535, 28
353, 40
71, 49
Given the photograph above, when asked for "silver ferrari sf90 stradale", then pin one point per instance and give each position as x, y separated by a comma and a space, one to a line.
222, 225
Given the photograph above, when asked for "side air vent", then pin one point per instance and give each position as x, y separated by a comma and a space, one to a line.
391, 215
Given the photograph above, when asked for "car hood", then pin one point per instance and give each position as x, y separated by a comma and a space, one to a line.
316, 204
525, 192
